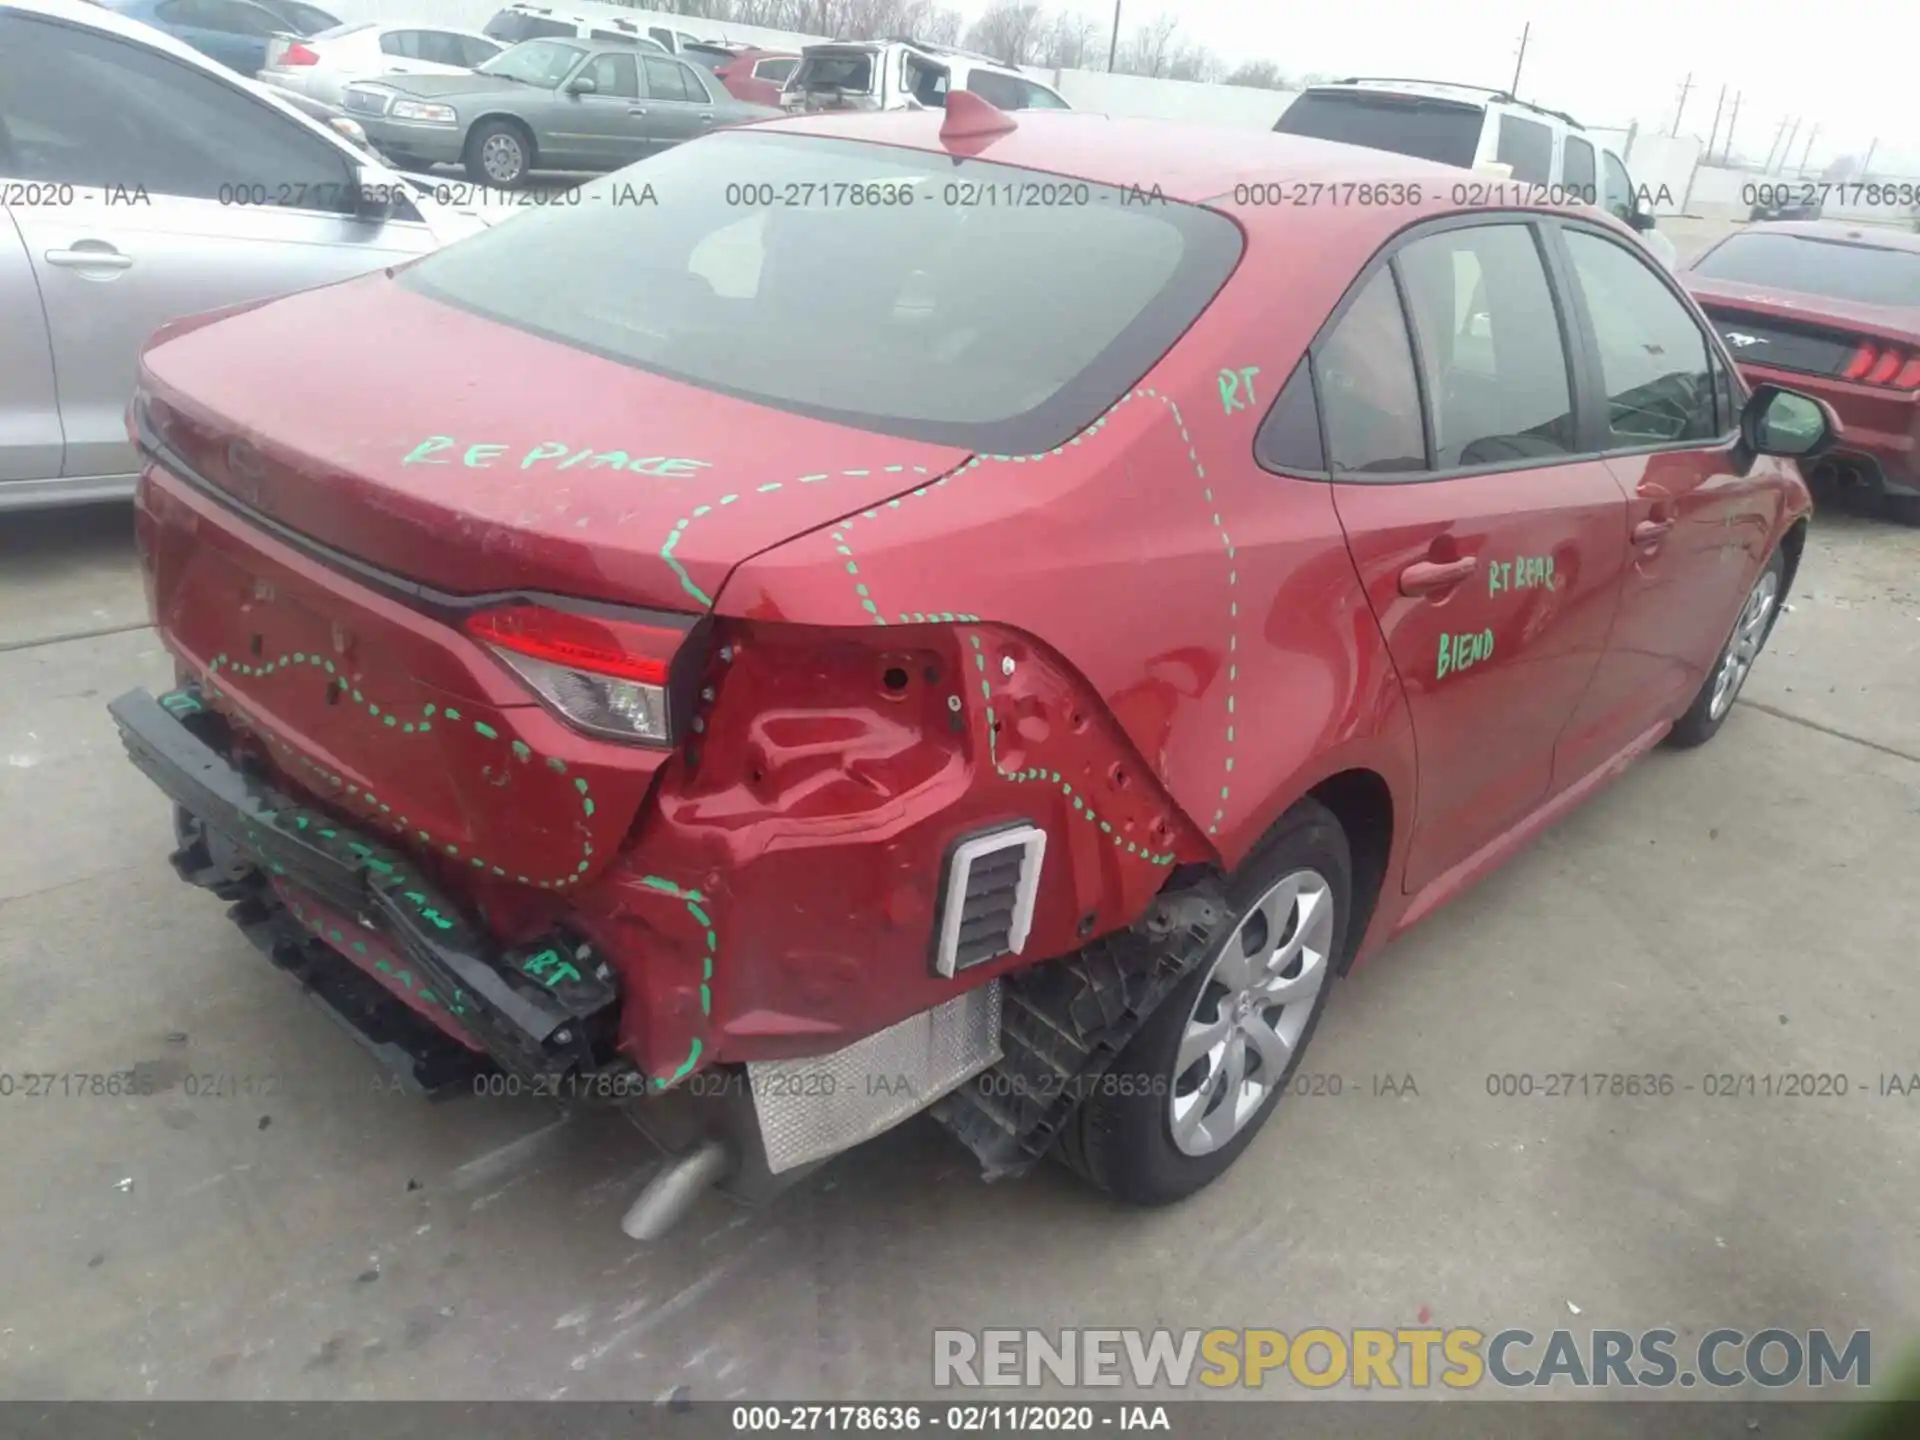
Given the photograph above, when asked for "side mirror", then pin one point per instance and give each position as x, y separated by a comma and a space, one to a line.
581, 85
1783, 422
1641, 220
373, 194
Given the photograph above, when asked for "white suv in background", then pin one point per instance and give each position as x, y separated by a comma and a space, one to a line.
904, 74
1476, 129
581, 20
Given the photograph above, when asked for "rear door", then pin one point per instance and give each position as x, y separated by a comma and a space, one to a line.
187, 194
1697, 526
30, 438
677, 105
1491, 552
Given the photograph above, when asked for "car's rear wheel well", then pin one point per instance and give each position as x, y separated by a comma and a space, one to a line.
1362, 803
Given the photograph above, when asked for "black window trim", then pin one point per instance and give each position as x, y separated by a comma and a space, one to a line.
1578, 342
1582, 385
1729, 437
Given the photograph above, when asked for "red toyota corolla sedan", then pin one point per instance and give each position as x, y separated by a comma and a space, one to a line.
1834, 309
924, 611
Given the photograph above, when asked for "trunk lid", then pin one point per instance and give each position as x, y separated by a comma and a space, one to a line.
475, 458
1817, 312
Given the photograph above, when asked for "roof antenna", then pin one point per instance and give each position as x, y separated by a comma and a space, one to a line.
971, 118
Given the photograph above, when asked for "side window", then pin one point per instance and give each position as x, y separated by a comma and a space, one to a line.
662, 34
778, 71
80, 106
237, 19
1490, 342
615, 75
1369, 400
475, 52
695, 81
1577, 171
1527, 146
1653, 358
1003, 92
1289, 438
1041, 98
403, 43
1616, 196
185, 12
442, 47
666, 79
926, 83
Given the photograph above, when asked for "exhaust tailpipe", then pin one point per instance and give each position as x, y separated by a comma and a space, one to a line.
676, 1189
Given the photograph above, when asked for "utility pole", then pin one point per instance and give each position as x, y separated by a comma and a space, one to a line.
1869, 160
1113, 45
1714, 134
1807, 153
1787, 149
1766, 167
1726, 146
1514, 89
1685, 86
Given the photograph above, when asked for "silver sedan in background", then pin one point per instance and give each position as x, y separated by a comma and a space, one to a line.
141, 182
320, 67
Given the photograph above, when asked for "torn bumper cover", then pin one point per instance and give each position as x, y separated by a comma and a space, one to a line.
534, 1010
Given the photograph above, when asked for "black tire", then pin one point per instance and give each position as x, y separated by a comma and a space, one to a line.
498, 133
1701, 723
1121, 1140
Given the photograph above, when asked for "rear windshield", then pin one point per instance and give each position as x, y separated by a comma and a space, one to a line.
1442, 130
510, 27
840, 70
1862, 273
791, 271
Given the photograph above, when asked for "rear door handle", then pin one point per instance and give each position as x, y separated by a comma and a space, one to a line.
1423, 577
104, 258
1648, 531
636, 110
706, 119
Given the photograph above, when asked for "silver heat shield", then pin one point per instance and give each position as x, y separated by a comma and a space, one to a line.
809, 1109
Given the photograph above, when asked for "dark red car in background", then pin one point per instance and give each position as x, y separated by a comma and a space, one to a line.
1023, 707
757, 76
1834, 310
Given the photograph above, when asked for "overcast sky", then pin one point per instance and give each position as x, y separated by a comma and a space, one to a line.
1852, 66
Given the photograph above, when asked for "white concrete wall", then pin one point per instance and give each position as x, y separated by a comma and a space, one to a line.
1139, 97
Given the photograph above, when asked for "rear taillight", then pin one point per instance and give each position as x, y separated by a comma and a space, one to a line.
1886, 365
607, 676
298, 54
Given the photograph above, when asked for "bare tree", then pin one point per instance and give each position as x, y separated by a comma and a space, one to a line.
1259, 75
1069, 42
1008, 30
1194, 62
1150, 50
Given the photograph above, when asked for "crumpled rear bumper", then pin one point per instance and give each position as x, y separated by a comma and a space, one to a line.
545, 1009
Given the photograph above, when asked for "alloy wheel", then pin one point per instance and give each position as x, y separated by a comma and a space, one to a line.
1251, 1011
1744, 648
502, 157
